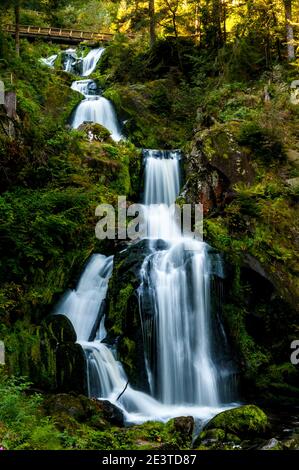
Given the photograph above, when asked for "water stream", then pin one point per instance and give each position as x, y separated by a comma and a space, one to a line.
188, 365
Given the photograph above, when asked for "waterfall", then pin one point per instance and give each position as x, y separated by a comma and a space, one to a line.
186, 375
49, 61
94, 108
70, 58
99, 110
82, 305
91, 60
182, 367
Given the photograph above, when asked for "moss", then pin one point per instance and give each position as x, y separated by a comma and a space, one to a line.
152, 112
210, 435
118, 311
98, 132
244, 421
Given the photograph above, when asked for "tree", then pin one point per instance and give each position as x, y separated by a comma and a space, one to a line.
15, 4
17, 23
152, 21
289, 29
173, 6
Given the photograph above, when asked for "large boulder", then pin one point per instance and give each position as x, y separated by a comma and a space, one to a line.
123, 320
215, 163
245, 421
69, 409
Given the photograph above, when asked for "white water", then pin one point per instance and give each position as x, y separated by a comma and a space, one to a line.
50, 61
185, 379
91, 60
82, 305
99, 110
71, 59
94, 108
178, 279
106, 377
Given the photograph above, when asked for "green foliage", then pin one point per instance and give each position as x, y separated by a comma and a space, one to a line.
265, 146
22, 425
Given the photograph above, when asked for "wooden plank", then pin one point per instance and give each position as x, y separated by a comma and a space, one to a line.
31, 31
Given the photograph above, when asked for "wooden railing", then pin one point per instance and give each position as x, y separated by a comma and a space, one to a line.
59, 33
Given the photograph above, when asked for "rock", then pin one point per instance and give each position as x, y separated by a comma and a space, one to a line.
95, 132
111, 412
182, 429
244, 421
292, 443
71, 368
123, 321
216, 162
209, 436
68, 404
10, 104
61, 328
69, 410
293, 156
184, 425
217, 438
272, 444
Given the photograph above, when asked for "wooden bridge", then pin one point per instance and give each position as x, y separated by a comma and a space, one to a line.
68, 36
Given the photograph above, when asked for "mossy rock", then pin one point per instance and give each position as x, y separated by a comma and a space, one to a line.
70, 410
96, 132
244, 421
176, 434
181, 430
210, 435
123, 321
216, 438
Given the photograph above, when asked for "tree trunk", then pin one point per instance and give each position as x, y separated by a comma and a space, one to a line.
151, 9
289, 29
174, 25
17, 30
224, 15
216, 18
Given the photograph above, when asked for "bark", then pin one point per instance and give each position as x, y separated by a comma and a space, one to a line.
151, 9
289, 29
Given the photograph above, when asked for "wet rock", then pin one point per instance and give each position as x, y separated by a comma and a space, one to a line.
123, 320
61, 328
111, 412
184, 425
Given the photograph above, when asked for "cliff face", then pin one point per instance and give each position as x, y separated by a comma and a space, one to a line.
250, 216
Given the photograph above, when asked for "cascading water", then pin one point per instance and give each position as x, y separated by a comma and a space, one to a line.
177, 282
94, 107
185, 375
91, 60
49, 61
